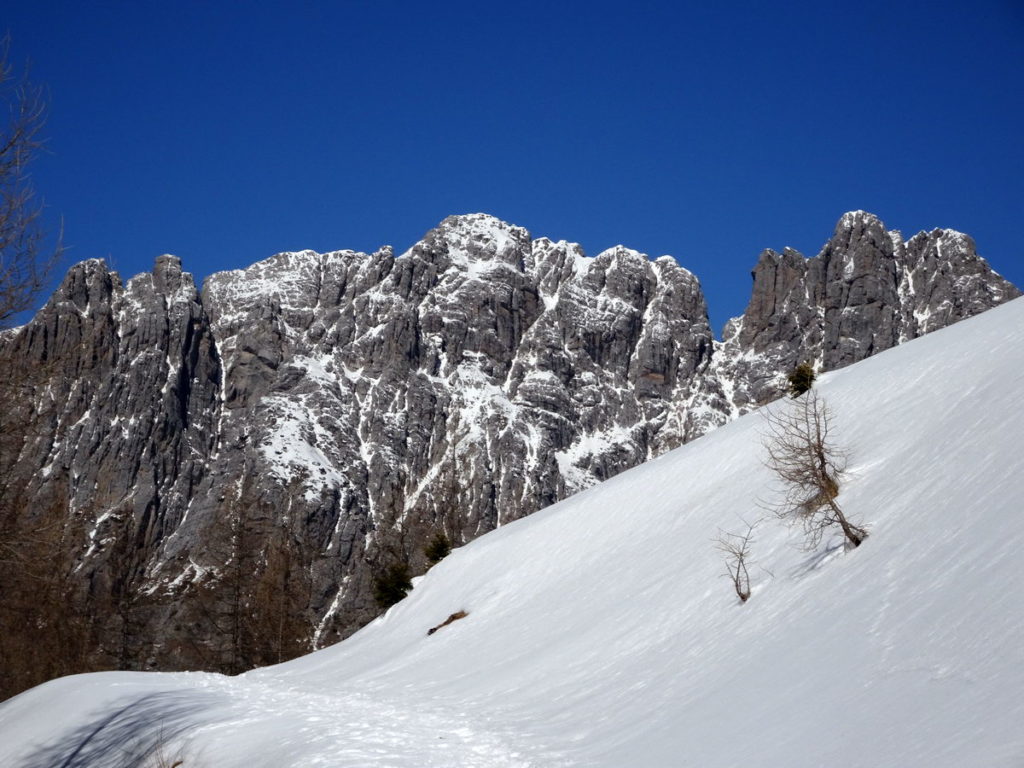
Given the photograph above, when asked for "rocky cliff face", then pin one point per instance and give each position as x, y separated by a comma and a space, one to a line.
342, 408
118, 387
868, 290
472, 380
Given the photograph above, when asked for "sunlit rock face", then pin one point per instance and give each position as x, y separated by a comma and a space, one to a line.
866, 291
345, 407
474, 379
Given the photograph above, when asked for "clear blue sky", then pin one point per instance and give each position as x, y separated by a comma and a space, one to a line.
225, 132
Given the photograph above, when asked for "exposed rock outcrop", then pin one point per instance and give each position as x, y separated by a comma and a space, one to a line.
341, 408
866, 291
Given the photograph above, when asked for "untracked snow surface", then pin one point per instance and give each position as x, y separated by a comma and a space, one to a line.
600, 631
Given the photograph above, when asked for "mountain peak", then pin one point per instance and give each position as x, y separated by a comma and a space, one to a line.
854, 216
859, 221
481, 226
474, 237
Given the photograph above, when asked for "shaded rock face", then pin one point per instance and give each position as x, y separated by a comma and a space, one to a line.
108, 415
353, 405
119, 385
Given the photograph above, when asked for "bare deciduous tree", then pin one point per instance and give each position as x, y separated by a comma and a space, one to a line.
254, 605
282, 628
801, 454
45, 632
735, 547
24, 263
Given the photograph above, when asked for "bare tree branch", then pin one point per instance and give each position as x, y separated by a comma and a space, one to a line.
735, 547
24, 265
808, 466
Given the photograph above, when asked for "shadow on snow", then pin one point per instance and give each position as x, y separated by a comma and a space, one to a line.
133, 736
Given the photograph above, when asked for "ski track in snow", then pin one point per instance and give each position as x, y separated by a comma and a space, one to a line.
357, 729
291, 725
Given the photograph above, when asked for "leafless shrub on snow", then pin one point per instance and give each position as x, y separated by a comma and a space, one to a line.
808, 465
735, 549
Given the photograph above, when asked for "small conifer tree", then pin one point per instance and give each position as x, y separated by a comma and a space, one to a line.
801, 379
438, 549
391, 584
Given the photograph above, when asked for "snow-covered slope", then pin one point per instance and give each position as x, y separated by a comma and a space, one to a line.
600, 633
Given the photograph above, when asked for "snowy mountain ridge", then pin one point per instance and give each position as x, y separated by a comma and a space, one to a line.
338, 410
599, 631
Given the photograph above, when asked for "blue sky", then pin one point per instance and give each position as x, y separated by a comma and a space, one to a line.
225, 132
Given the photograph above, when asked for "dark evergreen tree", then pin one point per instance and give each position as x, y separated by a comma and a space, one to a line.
801, 379
391, 584
437, 549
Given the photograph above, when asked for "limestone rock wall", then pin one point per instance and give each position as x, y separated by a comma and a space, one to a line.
353, 405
